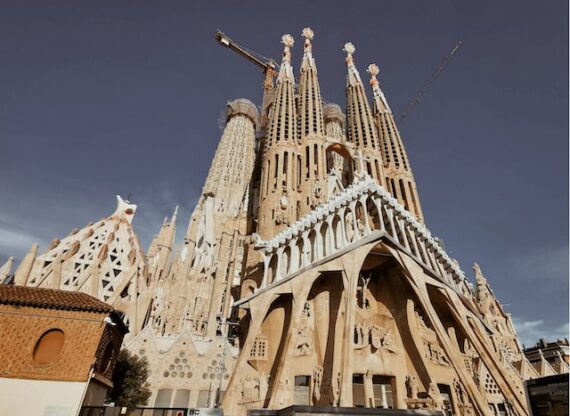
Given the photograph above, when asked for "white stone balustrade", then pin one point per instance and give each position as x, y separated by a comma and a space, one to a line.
362, 213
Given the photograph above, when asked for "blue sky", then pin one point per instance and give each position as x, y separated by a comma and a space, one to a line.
99, 98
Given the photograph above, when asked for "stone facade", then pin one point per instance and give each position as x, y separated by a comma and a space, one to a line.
310, 232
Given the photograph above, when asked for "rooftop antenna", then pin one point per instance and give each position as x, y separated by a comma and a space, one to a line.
436, 74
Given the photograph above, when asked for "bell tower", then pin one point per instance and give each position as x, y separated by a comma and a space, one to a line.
279, 154
312, 163
361, 131
399, 179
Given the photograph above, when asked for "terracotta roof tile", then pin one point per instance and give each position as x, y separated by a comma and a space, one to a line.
51, 299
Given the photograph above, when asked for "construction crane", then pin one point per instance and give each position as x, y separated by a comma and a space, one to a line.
267, 65
436, 74
269, 68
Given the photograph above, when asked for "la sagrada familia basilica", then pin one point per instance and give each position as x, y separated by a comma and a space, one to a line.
307, 274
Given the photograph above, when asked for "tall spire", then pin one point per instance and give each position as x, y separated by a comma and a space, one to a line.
310, 103
380, 102
360, 123
311, 163
233, 162
160, 249
400, 180
283, 120
279, 160
352, 76
286, 70
174, 215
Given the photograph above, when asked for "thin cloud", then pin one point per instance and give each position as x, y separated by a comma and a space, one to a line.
16, 241
546, 265
530, 332
157, 202
40, 218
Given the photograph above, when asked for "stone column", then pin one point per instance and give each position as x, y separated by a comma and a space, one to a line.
351, 281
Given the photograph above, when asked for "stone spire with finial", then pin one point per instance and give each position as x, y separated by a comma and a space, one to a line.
310, 102
279, 151
312, 133
380, 102
286, 70
283, 120
361, 130
400, 181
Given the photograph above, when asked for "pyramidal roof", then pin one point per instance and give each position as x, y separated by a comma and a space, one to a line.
103, 259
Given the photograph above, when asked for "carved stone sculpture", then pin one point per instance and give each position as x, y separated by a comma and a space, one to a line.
412, 387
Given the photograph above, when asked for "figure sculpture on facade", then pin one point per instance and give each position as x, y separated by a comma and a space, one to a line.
412, 386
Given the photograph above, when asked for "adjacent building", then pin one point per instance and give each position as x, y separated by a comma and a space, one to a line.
58, 350
549, 358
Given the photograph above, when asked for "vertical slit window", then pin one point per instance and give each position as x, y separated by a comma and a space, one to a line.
404, 195
285, 166
298, 170
316, 147
308, 161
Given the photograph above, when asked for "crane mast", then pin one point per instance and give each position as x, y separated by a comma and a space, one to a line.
268, 67
436, 74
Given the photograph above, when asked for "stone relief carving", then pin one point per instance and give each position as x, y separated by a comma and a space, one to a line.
283, 201
469, 357
412, 387
435, 353
332, 388
336, 163
318, 190
420, 320
432, 348
317, 197
349, 228
304, 341
361, 332
460, 393
304, 336
254, 388
307, 310
435, 401
362, 292
381, 338
360, 225
462, 399
506, 353
376, 336
316, 380
281, 215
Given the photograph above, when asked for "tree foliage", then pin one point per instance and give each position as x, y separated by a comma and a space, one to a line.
130, 386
